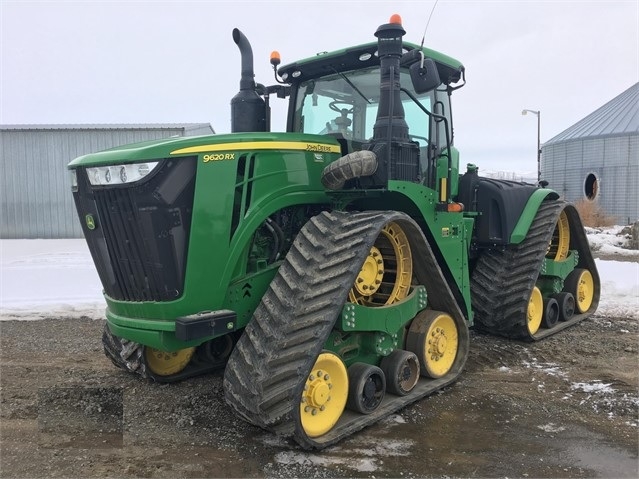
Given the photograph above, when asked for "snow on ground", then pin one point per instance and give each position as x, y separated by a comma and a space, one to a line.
611, 241
48, 278
57, 278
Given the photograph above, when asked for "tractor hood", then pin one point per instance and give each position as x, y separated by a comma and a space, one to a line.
182, 146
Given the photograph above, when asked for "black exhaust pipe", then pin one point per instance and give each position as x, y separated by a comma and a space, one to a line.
248, 109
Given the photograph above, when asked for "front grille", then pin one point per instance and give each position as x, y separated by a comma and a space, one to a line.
140, 241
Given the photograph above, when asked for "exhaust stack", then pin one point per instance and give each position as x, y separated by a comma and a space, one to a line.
248, 109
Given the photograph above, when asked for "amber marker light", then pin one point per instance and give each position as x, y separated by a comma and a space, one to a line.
455, 207
395, 18
275, 58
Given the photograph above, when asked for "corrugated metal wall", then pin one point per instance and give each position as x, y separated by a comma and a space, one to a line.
614, 161
35, 185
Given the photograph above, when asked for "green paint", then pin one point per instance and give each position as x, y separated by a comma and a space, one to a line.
530, 210
386, 319
243, 180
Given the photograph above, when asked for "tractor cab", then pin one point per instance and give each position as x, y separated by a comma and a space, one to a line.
349, 95
338, 94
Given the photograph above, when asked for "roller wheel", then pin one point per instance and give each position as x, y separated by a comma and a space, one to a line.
401, 369
163, 363
580, 283
324, 395
551, 313
434, 338
387, 272
367, 386
535, 310
566, 303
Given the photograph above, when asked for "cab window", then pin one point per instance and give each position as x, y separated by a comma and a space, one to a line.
346, 105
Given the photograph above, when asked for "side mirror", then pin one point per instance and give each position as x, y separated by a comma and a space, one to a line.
424, 78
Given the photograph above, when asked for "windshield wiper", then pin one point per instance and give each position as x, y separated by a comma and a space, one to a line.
347, 80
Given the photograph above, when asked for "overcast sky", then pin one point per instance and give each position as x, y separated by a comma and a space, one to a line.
175, 61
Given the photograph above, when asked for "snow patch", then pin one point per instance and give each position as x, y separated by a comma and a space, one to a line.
619, 289
361, 459
57, 278
593, 387
611, 240
289, 458
551, 427
550, 369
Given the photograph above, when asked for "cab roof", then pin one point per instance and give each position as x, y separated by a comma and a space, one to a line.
362, 56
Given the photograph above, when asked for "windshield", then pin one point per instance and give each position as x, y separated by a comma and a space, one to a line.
346, 104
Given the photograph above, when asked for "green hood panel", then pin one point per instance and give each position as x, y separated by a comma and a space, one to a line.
166, 148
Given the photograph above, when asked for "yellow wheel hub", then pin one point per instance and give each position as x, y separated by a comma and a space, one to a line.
535, 310
585, 291
370, 277
434, 338
324, 396
441, 346
164, 363
560, 242
387, 272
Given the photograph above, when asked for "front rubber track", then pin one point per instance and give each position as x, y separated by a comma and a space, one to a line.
129, 356
503, 280
267, 370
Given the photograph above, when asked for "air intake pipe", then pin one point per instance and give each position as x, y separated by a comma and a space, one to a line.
390, 124
398, 157
248, 109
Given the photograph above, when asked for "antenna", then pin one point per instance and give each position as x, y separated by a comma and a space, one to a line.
428, 23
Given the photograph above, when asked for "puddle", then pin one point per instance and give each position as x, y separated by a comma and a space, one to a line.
477, 438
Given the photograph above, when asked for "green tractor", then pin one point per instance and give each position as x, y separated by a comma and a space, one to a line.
333, 270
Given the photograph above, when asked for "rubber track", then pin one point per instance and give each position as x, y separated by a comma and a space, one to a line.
129, 356
503, 280
266, 372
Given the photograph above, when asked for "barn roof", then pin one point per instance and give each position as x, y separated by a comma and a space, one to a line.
109, 126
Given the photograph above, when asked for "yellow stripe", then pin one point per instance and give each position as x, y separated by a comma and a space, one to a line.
261, 145
442, 189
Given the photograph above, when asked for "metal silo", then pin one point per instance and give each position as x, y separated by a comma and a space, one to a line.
598, 158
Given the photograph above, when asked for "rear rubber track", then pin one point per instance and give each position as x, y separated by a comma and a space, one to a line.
267, 370
503, 280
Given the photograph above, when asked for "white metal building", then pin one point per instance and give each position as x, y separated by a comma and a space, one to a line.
35, 185
598, 158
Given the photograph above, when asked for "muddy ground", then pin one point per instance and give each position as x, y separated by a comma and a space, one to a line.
564, 407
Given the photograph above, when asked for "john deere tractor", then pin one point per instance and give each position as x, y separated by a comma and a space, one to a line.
333, 269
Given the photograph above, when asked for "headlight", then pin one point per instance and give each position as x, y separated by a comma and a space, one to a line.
74, 180
120, 174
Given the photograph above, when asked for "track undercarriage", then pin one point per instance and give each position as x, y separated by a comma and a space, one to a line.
287, 365
506, 284
268, 375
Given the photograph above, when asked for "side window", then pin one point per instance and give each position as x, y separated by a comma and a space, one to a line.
417, 121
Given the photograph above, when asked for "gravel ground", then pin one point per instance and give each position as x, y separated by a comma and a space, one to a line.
563, 407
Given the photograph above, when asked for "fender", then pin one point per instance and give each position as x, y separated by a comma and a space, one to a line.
528, 215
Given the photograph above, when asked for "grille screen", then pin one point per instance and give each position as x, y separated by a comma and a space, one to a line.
140, 241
